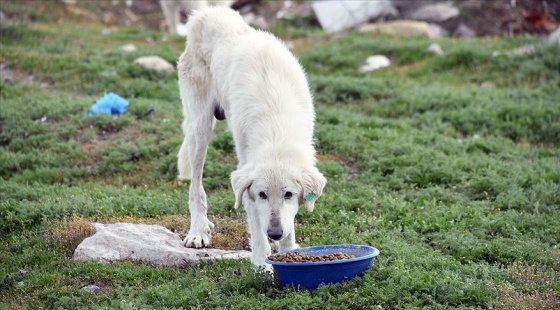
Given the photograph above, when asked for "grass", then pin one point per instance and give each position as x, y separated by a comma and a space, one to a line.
448, 164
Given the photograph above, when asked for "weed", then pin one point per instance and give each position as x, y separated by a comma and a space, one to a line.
69, 233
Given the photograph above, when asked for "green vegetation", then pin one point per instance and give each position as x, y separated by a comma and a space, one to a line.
447, 164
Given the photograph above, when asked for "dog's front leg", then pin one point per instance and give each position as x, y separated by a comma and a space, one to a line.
201, 228
288, 243
259, 241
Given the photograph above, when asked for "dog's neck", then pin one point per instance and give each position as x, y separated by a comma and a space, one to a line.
282, 153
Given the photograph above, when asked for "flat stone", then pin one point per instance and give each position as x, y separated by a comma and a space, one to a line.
145, 243
92, 288
520, 51
155, 63
399, 28
464, 31
436, 12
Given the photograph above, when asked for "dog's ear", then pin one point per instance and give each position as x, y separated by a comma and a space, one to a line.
241, 180
312, 183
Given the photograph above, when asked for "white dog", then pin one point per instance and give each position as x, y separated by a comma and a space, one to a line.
230, 70
172, 8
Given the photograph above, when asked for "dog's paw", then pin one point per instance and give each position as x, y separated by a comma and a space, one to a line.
199, 235
264, 268
183, 181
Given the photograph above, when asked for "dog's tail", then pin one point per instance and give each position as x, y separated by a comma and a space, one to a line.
206, 26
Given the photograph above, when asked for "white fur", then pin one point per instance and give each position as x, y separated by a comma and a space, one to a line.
264, 94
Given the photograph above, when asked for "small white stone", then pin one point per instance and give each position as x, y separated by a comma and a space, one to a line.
92, 288
435, 49
375, 62
129, 48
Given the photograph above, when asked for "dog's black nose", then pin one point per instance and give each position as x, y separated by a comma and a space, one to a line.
274, 234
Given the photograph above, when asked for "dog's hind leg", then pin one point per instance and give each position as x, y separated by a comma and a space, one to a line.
198, 129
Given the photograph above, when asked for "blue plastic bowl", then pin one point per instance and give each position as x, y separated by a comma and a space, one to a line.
311, 275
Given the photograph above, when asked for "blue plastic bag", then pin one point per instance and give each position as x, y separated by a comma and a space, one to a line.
111, 104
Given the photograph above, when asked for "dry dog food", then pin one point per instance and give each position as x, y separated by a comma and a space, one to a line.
295, 257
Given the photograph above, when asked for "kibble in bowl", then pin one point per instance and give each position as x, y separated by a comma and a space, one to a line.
310, 267
296, 257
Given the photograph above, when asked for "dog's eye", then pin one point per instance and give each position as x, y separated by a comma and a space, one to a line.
288, 195
263, 195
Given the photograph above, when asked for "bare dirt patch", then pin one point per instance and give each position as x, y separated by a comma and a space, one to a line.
68, 233
526, 295
514, 299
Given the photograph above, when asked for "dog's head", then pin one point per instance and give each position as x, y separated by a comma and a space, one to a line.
275, 193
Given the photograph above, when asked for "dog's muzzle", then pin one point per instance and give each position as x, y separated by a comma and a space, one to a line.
274, 234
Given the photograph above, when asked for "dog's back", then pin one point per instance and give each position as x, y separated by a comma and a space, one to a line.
248, 73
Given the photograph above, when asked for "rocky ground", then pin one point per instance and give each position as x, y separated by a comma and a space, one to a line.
465, 18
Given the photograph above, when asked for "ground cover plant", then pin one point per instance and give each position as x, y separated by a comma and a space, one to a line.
448, 164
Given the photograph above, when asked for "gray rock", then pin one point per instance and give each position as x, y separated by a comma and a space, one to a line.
145, 243
256, 20
464, 31
7, 74
294, 10
154, 63
438, 31
399, 28
554, 37
437, 12
340, 15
